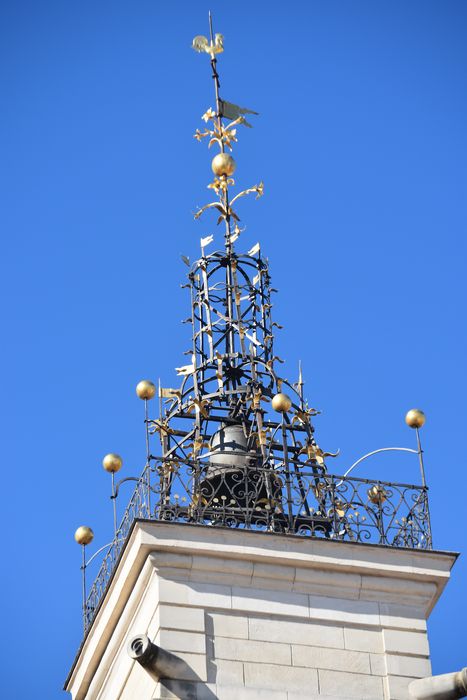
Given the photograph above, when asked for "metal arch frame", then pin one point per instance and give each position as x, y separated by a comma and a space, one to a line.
374, 452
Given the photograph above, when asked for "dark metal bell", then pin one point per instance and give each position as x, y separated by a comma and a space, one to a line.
234, 478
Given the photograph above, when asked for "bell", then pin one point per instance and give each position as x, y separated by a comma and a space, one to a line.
229, 447
228, 463
234, 478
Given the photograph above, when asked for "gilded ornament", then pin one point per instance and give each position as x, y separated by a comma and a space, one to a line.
200, 406
223, 164
112, 463
415, 418
209, 114
146, 389
340, 508
281, 403
377, 494
84, 535
202, 45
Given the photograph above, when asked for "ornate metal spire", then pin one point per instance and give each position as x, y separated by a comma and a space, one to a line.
220, 431
234, 442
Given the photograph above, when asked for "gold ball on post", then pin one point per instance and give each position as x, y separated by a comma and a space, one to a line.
415, 418
112, 463
223, 164
146, 390
84, 535
281, 403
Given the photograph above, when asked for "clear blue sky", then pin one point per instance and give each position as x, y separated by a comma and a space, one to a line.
362, 145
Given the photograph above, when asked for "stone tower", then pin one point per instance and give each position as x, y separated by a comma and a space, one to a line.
242, 567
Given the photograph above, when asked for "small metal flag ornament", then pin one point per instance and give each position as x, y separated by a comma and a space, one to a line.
234, 442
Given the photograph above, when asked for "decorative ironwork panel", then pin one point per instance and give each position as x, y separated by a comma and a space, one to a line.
273, 500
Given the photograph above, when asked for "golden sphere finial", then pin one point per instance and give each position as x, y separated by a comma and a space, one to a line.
146, 389
223, 164
84, 535
415, 418
112, 462
281, 403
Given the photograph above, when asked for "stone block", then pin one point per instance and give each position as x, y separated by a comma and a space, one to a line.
327, 583
402, 617
176, 640
359, 612
378, 664
172, 560
363, 639
224, 625
397, 688
274, 584
236, 567
195, 594
176, 573
404, 642
333, 659
272, 602
273, 571
411, 666
351, 685
223, 672
400, 591
305, 632
285, 678
195, 667
221, 570
181, 618
169, 689
247, 650
183, 690
239, 693
299, 696
219, 578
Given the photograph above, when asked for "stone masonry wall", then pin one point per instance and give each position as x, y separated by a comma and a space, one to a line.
252, 654
256, 617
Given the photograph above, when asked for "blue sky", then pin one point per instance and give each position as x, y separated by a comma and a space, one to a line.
361, 143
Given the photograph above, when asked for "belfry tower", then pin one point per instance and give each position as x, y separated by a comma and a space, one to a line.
242, 567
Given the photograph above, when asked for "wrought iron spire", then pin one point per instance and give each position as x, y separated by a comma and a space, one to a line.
230, 428
234, 442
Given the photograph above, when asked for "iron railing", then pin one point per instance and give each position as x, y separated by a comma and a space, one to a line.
280, 500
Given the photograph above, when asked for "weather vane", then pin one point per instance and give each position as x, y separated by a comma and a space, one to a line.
234, 443
223, 164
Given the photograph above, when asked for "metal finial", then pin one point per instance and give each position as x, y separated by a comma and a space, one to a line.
84, 535
112, 463
211, 35
415, 418
146, 390
300, 383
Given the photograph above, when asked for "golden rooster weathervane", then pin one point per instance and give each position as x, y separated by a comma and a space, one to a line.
201, 43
